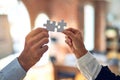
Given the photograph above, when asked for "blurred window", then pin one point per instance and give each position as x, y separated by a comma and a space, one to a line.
89, 26
19, 24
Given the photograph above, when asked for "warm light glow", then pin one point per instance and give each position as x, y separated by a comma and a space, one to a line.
111, 33
41, 19
89, 27
8, 3
44, 72
20, 25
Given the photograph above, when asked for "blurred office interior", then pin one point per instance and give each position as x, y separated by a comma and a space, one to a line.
99, 20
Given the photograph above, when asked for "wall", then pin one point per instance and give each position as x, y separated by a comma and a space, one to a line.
5, 38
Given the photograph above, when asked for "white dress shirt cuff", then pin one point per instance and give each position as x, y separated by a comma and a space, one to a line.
89, 66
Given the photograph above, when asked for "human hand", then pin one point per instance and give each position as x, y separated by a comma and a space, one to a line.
75, 41
34, 48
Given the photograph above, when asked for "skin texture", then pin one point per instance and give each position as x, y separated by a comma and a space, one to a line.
75, 41
35, 46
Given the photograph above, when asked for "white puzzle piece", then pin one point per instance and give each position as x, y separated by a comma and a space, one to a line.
52, 26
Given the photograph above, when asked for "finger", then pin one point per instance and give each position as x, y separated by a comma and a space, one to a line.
68, 40
42, 50
41, 43
69, 44
35, 32
41, 35
37, 38
69, 34
72, 30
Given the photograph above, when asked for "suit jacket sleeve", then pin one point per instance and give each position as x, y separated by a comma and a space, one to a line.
12, 71
106, 74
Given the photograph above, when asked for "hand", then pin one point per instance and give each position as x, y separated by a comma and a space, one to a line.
34, 48
75, 41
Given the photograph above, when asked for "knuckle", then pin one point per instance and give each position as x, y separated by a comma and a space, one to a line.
44, 34
44, 41
47, 40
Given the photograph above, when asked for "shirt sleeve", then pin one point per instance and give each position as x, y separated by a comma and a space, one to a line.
12, 71
89, 66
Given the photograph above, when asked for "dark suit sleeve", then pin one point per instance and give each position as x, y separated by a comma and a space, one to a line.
106, 74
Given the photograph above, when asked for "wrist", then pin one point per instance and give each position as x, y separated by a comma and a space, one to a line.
23, 65
80, 53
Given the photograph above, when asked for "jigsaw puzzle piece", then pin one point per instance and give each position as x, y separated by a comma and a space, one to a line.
61, 26
50, 26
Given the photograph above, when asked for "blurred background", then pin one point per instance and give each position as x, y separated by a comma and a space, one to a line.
99, 20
